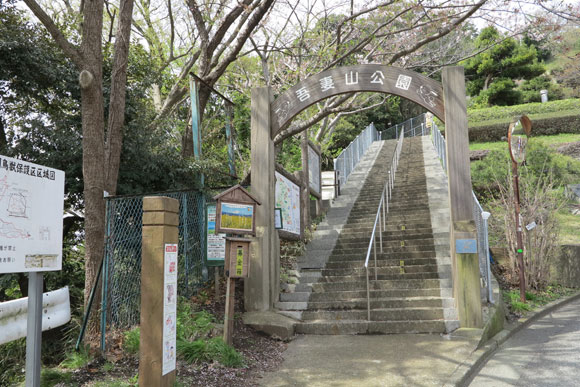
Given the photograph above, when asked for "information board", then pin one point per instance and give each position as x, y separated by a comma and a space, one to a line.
169, 309
31, 211
216, 243
288, 200
313, 170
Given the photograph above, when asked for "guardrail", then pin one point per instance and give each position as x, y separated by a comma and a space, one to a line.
350, 156
479, 216
381, 220
13, 314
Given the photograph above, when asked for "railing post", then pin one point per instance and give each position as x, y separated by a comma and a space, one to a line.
375, 253
380, 232
384, 204
368, 296
485, 215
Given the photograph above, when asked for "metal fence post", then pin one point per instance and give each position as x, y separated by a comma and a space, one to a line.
105, 283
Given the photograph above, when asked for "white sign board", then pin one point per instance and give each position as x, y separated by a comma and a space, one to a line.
313, 170
288, 200
169, 309
31, 210
216, 243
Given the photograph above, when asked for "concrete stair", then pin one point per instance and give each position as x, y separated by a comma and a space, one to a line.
412, 290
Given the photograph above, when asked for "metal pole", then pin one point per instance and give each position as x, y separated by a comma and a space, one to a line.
104, 290
520, 248
375, 251
380, 233
384, 205
368, 296
34, 329
485, 215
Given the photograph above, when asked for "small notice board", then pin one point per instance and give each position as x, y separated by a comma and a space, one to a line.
31, 210
215, 242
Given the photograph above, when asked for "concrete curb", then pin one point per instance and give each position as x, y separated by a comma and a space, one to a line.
467, 370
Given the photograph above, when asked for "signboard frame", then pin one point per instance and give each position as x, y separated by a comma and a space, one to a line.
278, 220
32, 242
284, 234
315, 190
213, 262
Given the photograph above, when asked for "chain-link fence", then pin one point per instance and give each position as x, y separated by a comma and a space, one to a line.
122, 263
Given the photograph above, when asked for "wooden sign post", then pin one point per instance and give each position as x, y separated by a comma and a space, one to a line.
235, 214
157, 347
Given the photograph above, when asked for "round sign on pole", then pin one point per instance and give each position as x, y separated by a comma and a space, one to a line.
518, 133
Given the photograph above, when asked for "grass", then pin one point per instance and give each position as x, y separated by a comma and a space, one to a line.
214, 349
51, 376
535, 298
568, 227
545, 140
131, 342
75, 360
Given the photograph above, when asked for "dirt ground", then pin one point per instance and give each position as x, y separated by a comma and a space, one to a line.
261, 354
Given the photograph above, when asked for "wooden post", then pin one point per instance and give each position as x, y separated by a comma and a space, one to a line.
263, 285
305, 179
466, 290
229, 315
160, 222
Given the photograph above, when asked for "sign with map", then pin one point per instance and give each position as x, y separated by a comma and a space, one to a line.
313, 170
288, 200
31, 210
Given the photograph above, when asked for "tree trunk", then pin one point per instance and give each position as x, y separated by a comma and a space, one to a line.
117, 102
93, 123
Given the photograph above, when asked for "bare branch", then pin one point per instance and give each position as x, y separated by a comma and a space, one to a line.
68, 48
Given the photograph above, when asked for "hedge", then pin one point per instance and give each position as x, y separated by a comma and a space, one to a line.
479, 116
547, 124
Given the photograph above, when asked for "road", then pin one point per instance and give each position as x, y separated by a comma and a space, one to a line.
547, 353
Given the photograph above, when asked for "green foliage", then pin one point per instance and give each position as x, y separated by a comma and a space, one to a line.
536, 298
531, 89
50, 377
540, 160
131, 341
481, 116
75, 360
491, 74
542, 125
12, 362
214, 349
190, 324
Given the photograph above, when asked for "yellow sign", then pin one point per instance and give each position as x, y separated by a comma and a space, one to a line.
239, 261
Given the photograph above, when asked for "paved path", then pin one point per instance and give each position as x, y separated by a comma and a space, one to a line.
547, 353
381, 360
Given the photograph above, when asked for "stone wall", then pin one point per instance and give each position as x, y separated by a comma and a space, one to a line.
566, 269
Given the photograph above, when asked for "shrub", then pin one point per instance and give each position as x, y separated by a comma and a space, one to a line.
75, 360
548, 124
476, 116
214, 349
131, 342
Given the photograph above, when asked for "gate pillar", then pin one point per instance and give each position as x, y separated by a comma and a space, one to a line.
262, 286
466, 286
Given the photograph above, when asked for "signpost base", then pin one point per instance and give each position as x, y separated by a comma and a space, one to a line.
229, 316
34, 329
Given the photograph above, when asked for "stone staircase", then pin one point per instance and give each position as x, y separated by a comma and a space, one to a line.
412, 293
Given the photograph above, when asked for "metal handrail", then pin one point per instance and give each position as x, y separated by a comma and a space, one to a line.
385, 197
480, 216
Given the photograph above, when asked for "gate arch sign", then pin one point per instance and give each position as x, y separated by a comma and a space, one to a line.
371, 77
269, 120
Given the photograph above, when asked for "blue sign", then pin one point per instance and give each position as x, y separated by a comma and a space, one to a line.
466, 246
